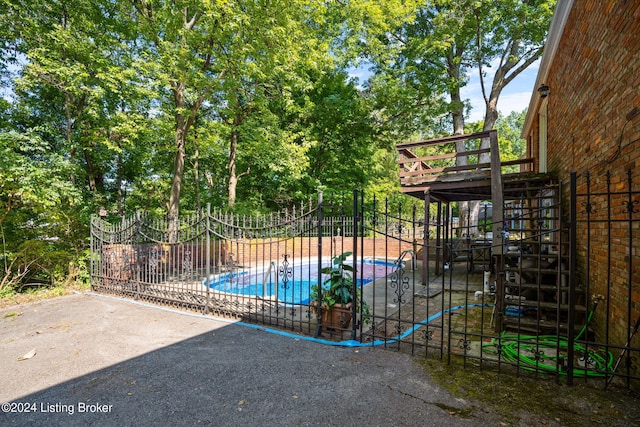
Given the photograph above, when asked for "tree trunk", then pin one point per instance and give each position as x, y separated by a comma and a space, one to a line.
176, 183
119, 185
173, 210
233, 176
92, 176
196, 176
490, 118
457, 116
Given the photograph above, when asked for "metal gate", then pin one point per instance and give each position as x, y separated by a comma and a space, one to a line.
605, 268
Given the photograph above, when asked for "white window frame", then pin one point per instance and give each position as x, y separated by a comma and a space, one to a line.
542, 137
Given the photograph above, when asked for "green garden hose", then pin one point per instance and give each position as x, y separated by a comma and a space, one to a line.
526, 351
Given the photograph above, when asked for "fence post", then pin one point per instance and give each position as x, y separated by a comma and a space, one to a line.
354, 308
137, 252
427, 244
572, 278
208, 258
630, 208
319, 306
92, 254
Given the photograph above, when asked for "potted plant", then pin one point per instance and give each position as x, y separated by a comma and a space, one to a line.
337, 295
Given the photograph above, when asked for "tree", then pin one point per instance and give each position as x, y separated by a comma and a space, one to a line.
430, 60
270, 59
435, 52
426, 61
512, 146
77, 79
175, 52
231, 57
340, 134
35, 199
510, 35
449, 38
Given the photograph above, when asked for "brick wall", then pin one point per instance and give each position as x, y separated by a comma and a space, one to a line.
595, 84
258, 251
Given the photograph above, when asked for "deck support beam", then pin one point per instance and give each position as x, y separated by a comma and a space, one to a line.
425, 251
498, 229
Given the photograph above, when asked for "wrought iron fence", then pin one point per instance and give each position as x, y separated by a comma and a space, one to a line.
606, 268
430, 292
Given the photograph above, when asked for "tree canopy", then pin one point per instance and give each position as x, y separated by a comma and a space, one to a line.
166, 106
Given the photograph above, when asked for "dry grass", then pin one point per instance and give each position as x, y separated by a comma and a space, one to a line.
41, 294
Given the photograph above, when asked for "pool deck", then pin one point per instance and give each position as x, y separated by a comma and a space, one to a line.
384, 297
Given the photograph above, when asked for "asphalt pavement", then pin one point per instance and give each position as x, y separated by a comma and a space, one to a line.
88, 359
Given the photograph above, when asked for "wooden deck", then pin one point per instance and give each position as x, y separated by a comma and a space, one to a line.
468, 168
430, 167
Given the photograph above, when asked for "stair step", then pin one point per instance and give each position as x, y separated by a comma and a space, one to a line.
516, 242
547, 257
536, 270
534, 325
542, 287
546, 305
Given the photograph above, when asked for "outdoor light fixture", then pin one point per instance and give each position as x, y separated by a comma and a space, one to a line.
544, 90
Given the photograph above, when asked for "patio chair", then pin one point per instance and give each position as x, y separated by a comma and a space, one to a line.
480, 257
455, 250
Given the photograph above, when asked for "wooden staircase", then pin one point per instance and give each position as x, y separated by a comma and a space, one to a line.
532, 284
535, 294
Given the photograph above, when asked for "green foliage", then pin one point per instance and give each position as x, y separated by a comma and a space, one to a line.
339, 134
34, 178
40, 224
340, 286
425, 62
340, 283
509, 128
153, 104
512, 146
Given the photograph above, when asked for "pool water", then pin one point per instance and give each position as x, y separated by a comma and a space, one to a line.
294, 287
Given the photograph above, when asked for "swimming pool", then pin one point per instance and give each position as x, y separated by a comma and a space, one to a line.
288, 282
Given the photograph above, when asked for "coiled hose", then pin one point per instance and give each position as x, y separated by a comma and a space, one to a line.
527, 351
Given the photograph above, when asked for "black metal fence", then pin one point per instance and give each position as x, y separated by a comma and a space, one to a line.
605, 267
426, 285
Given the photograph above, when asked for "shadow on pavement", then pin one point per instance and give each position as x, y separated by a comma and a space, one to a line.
105, 361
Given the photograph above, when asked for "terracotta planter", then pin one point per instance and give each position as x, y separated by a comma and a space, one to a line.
338, 318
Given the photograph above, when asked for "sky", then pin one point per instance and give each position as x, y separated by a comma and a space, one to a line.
514, 97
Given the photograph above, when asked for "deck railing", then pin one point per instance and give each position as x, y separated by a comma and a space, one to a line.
423, 162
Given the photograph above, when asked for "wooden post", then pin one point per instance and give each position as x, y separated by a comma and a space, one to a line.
497, 199
425, 251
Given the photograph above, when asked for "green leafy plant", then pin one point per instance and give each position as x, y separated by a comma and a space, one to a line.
485, 225
338, 288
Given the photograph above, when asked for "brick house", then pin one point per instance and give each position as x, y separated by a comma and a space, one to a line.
584, 118
565, 236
